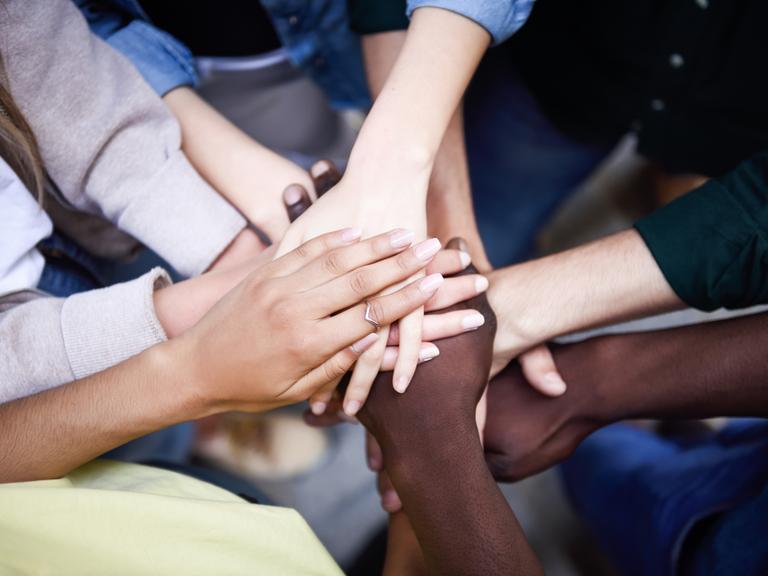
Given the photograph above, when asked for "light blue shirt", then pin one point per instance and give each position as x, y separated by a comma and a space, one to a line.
501, 18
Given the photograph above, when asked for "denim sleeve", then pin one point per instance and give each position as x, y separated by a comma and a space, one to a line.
501, 18
164, 62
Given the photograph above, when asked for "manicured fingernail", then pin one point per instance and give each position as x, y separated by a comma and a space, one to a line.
293, 194
431, 283
364, 343
401, 238
319, 168
318, 408
428, 352
465, 259
373, 463
472, 321
390, 501
352, 407
351, 234
426, 250
481, 284
401, 384
554, 383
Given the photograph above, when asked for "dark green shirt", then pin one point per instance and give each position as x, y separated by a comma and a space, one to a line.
374, 16
712, 244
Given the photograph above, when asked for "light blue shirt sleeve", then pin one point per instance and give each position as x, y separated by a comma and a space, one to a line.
163, 61
501, 18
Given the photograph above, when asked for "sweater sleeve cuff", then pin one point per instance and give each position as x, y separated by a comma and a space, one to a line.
102, 328
709, 249
182, 218
501, 18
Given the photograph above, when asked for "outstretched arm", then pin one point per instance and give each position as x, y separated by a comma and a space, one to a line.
434, 458
701, 371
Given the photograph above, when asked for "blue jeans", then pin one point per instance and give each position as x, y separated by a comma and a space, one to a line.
521, 165
68, 270
661, 508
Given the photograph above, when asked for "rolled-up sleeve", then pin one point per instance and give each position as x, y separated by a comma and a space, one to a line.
163, 61
501, 18
712, 243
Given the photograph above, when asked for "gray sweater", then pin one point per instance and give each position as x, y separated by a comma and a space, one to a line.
112, 149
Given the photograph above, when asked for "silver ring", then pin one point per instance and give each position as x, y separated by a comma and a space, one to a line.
369, 318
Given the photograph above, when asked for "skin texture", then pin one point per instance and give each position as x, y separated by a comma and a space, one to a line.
701, 371
450, 212
248, 174
462, 521
405, 129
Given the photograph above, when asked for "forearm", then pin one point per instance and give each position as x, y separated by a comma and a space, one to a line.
464, 524
49, 434
607, 281
409, 117
249, 175
404, 556
450, 213
700, 371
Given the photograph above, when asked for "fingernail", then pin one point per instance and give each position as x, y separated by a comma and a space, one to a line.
465, 259
390, 502
401, 384
426, 250
293, 194
319, 168
431, 283
318, 408
352, 407
401, 238
428, 352
481, 284
351, 234
346, 418
364, 343
373, 463
472, 321
554, 383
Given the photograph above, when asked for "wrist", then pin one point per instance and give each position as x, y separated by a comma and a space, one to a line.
436, 447
520, 326
181, 390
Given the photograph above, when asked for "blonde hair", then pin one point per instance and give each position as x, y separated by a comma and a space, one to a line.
18, 146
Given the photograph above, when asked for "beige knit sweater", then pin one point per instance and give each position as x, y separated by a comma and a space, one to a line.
113, 149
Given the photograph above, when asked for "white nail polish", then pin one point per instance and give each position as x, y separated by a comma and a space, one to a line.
318, 408
401, 384
352, 407
481, 284
473, 321
431, 283
401, 238
465, 259
428, 353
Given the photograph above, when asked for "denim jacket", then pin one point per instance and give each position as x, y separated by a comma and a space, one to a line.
315, 32
501, 18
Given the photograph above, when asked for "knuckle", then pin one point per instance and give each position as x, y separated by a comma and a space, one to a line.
406, 261
333, 263
359, 283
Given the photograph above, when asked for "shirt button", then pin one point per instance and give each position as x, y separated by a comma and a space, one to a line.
703, 4
676, 60
658, 105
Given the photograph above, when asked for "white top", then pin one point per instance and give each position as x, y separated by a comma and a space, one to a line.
23, 223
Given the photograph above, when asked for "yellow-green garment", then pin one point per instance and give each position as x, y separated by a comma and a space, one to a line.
115, 518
